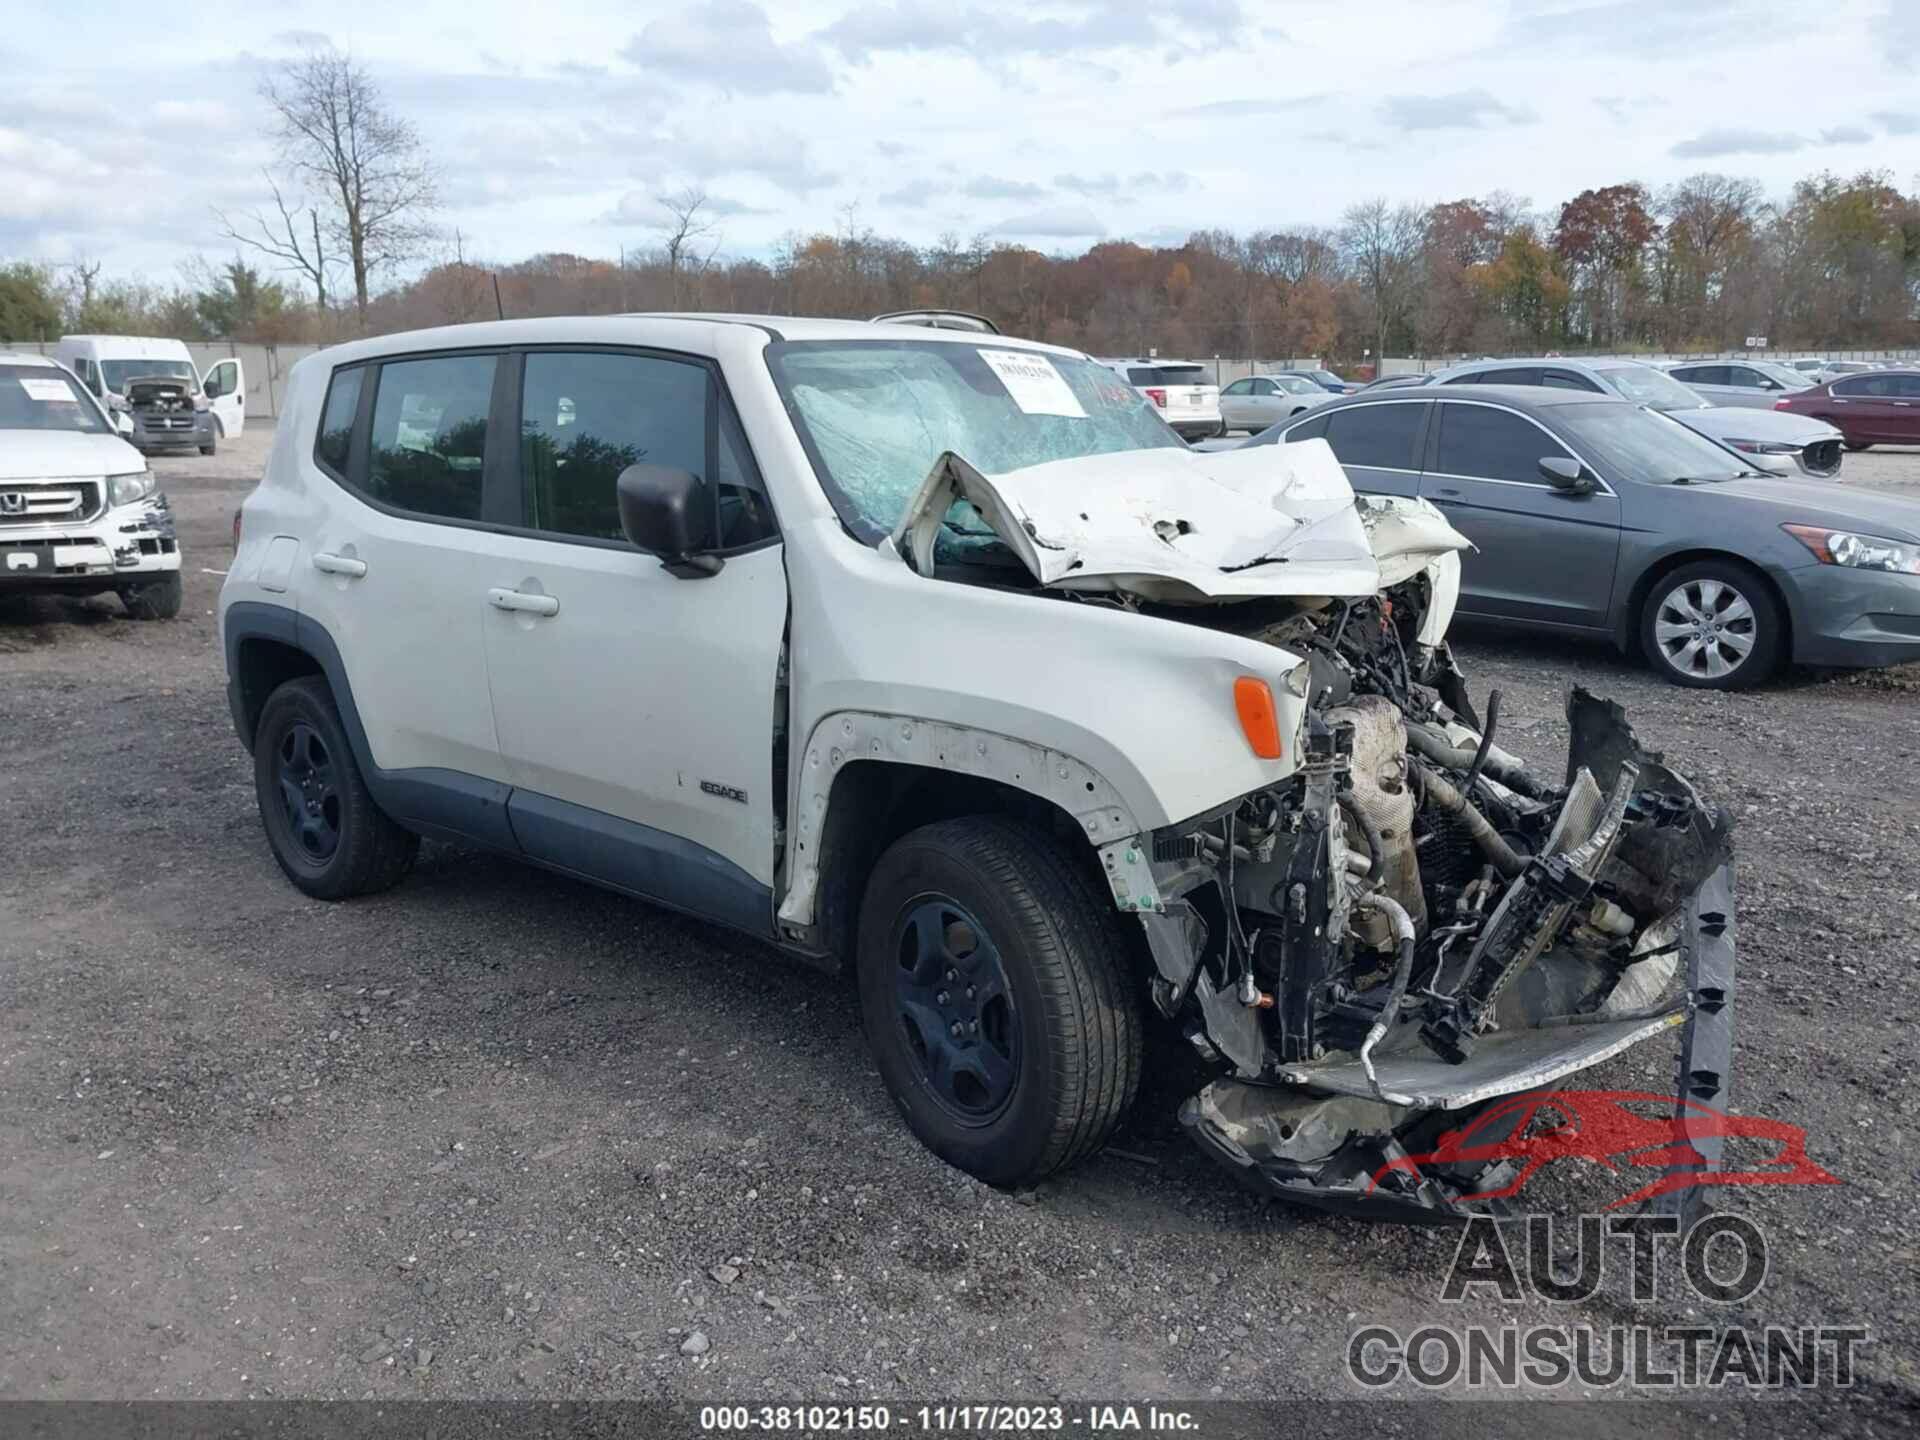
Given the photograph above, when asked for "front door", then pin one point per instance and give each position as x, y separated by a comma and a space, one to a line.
225, 387
636, 709
1540, 553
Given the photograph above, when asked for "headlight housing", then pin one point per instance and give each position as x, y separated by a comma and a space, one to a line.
1855, 551
125, 489
1765, 447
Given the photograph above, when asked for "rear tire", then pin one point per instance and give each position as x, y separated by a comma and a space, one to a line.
987, 925
156, 599
1712, 625
323, 827
1857, 445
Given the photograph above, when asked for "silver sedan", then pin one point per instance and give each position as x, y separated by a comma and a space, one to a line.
1257, 401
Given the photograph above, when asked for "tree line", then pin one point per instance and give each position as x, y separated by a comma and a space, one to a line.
349, 246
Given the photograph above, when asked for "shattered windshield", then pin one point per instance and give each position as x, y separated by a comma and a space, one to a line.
875, 414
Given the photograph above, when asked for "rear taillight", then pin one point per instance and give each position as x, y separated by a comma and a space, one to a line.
1159, 397
1781, 405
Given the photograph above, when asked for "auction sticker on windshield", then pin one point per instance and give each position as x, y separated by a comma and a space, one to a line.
1036, 387
55, 390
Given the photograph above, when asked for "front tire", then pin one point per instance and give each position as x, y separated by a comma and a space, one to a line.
156, 599
1857, 445
994, 987
1712, 626
330, 838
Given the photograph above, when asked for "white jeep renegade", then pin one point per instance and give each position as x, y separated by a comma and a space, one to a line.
936, 654
80, 513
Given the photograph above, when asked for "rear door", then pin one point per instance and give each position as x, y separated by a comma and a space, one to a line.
391, 569
1378, 443
1710, 382
1540, 553
1863, 407
636, 710
225, 387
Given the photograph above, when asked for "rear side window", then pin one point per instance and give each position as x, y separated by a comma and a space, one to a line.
430, 435
334, 443
1907, 387
1314, 429
1380, 436
1567, 380
1478, 441
586, 416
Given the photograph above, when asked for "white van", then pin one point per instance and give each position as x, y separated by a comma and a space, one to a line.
202, 411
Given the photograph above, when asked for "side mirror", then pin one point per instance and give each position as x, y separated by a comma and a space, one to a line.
1565, 474
668, 513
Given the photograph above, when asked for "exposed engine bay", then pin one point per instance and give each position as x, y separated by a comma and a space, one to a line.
1417, 922
160, 395
1414, 922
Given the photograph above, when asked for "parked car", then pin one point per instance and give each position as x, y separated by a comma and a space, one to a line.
1877, 408
863, 719
1836, 368
173, 406
1812, 367
1752, 383
1594, 515
1183, 393
1800, 448
1326, 380
1254, 402
1396, 382
80, 513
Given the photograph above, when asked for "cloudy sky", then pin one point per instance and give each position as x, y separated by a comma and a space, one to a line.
1051, 122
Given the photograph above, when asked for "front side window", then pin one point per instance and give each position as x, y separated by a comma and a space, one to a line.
430, 435
1378, 436
1867, 387
875, 416
334, 443
39, 397
1480, 442
1907, 387
586, 416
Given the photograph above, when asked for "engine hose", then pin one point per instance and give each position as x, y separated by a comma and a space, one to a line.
1403, 935
1440, 792
1486, 742
1436, 747
1376, 845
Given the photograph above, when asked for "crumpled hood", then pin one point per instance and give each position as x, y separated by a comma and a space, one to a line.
65, 455
1739, 422
1178, 526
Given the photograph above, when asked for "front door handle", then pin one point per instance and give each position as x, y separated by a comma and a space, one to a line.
345, 565
501, 598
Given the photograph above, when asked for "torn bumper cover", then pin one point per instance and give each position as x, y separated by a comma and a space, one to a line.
1616, 930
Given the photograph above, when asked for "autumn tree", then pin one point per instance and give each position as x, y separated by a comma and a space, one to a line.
1602, 238
1382, 245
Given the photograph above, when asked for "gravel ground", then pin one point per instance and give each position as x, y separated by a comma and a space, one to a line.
497, 1134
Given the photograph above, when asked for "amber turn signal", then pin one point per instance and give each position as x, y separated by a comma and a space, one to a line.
1253, 699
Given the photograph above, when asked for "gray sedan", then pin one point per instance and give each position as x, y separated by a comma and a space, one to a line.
1592, 515
1753, 383
1257, 401
1783, 444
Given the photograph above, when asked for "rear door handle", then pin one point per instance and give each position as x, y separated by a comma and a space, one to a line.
339, 565
502, 598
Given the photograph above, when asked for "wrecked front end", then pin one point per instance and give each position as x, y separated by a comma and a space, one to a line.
1413, 922
1416, 924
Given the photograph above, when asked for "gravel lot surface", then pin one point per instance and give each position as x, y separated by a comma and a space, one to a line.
498, 1134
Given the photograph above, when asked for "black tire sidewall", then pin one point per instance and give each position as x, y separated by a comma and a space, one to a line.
1014, 1142
305, 700
1761, 661
157, 599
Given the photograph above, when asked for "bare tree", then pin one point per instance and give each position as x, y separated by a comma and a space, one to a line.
280, 237
1382, 244
683, 231
365, 166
